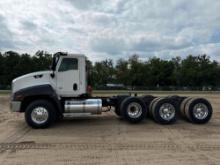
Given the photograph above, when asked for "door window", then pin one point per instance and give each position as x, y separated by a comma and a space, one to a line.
68, 64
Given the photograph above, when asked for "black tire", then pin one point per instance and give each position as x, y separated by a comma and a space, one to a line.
130, 104
59, 117
151, 106
190, 114
147, 99
48, 106
120, 98
173, 97
183, 106
117, 111
157, 111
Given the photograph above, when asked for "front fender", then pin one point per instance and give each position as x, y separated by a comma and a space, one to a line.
37, 92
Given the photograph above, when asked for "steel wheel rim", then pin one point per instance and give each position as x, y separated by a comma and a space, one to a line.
167, 111
134, 110
200, 111
39, 115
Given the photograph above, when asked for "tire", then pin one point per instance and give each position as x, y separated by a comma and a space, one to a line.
147, 99
198, 110
151, 106
117, 111
119, 101
164, 111
133, 109
42, 106
59, 117
173, 97
183, 105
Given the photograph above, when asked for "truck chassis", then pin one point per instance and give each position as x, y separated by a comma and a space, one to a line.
134, 109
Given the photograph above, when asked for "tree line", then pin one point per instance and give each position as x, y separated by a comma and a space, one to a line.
191, 73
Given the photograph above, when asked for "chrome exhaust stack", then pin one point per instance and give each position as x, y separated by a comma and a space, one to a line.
93, 106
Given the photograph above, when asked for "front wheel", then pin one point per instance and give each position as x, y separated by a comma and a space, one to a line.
40, 114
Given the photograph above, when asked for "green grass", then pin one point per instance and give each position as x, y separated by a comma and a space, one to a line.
125, 92
156, 93
5, 92
151, 92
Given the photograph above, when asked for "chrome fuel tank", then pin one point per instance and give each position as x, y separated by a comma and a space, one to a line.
93, 106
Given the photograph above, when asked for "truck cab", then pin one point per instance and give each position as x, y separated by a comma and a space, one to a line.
67, 77
70, 75
63, 89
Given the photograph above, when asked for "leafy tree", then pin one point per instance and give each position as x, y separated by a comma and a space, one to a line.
42, 60
103, 72
176, 76
122, 72
161, 72
1, 69
199, 71
89, 71
11, 60
136, 73
193, 72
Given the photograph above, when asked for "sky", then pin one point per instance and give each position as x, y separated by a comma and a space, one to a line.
113, 29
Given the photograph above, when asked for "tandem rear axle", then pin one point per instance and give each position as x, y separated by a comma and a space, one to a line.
163, 110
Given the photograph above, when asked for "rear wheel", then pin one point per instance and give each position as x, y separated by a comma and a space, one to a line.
117, 111
151, 106
133, 109
183, 105
40, 114
198, 110
164, 111
173, 97
147, 99
119, 101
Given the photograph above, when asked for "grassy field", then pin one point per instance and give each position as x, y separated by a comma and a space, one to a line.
139, 92
150, 92
4, 92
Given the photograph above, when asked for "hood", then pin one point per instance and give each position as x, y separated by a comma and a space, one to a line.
32, 79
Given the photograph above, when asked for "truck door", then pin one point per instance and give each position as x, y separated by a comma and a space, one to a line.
68, 77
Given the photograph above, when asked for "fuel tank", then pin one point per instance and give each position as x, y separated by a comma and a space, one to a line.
93, 106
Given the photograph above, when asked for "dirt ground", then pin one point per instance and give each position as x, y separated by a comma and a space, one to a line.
109, 140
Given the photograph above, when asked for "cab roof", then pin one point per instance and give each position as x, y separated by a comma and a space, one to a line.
68, 54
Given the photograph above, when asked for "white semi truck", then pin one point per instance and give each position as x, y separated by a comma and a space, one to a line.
46, 96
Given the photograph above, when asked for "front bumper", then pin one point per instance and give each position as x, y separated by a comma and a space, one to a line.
15, 106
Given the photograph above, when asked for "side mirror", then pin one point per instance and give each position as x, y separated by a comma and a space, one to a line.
54, 62
52, 75
53, 66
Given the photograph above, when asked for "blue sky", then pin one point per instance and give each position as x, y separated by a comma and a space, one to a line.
113, 29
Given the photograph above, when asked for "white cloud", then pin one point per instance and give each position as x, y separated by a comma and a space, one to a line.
112, 29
